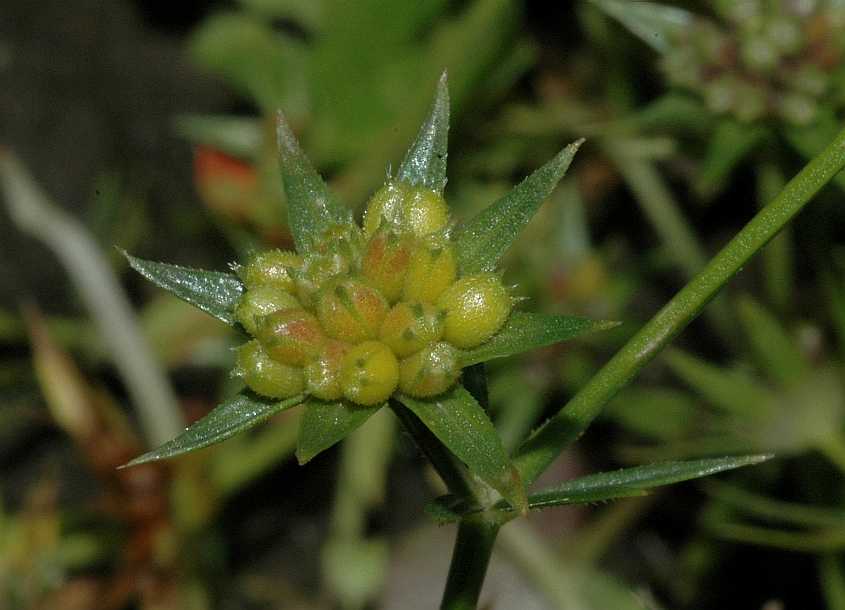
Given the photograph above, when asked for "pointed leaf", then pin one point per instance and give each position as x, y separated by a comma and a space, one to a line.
311, 207
235, 415
603, 486
482, 241
214, 292
326, 423
465, 429
425, 162
640, 478
525, 331
654, 23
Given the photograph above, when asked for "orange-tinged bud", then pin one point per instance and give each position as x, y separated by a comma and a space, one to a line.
291, 336
266, 376
409, 327
275, 267
345, 241
261, 301
350, 310
370, 373
317, 271
431, 270
429, 372
386, 261
476, 307
322, 374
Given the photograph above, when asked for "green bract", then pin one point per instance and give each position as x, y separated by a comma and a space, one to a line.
391, 311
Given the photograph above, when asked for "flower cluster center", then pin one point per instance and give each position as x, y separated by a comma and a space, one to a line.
367, 310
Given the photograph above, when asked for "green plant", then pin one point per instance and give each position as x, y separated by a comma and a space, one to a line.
487, 488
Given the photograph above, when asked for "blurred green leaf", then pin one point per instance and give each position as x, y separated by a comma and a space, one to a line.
307, 13
655, 413
326, 423
814, 541
524, 331
729, 145
730, 390
832, 577
656, 24
227, 419
237, 136
774, 349
481, 241
425, 162
788, 513
257, 60
624, 483
214, 292
465, 429
311, 207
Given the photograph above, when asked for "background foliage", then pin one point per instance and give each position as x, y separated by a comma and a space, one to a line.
151, 127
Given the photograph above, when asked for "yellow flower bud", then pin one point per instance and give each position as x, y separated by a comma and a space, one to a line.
425, 212
386, 261
259, 301
414, 209
409, 327
322, 374
369, 374
429, 372
271, 267
266, 376
386, 204
291, 336
350, 310
476, 307
431, 270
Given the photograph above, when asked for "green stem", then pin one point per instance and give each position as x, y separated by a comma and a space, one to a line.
541, 449
473, 548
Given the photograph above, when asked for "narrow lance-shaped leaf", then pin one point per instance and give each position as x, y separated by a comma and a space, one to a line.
481, 242
325, 423
654, 23
425, 162
623, 481
229, 418
214, 292
603, 486
311, 207
525, 331
465, 429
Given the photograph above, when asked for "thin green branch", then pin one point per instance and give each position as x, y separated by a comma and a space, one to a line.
538, 452
473, 548
147, 384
